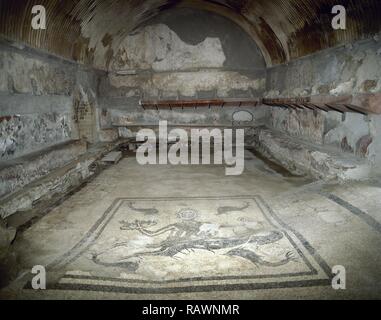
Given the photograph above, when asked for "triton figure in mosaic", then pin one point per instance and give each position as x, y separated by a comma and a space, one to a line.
189, 235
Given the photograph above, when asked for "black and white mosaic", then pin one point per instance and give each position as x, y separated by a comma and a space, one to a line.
167, 245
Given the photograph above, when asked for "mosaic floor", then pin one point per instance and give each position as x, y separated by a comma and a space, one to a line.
164, 232
167, 245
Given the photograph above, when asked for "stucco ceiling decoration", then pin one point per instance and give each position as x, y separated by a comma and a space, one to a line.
89, 31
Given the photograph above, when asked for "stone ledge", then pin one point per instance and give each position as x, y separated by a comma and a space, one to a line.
305, 159
19, 172
56, 184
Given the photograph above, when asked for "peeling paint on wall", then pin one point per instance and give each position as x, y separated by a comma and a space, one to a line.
299, 123
159, 48
22, 134
283, 29
341, 71
188, 83
159, 64
23, 74
37, 100
353, 133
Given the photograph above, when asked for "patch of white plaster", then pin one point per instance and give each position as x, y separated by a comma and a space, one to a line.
159, 48
343, 88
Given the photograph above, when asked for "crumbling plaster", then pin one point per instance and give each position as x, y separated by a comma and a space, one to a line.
23, 134
185, 54
57, 100
345, 70
37, 99
159, 48
349, 70
188, 84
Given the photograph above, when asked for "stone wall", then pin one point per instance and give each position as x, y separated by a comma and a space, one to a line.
351, 132
182, 54
21, 134
350, 70
38, 94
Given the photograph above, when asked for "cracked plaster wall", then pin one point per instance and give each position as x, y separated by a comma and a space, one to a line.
349, 70
182, 54
37, 98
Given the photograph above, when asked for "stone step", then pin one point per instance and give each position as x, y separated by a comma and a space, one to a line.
56, 184
19, 172
112, 157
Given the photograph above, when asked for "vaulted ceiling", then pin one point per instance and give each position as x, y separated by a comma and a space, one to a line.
90, 31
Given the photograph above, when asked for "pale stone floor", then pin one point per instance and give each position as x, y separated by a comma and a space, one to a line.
254, 236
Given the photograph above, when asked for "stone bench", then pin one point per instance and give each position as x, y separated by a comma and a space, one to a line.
303, 158
57, 183
16, 173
